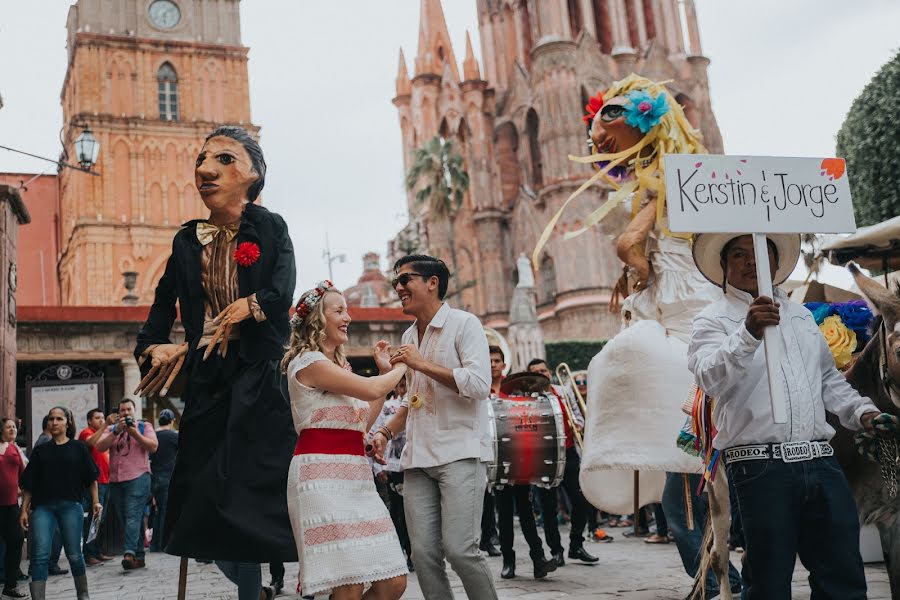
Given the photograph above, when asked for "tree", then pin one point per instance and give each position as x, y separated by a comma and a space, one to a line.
869, 140
438, 168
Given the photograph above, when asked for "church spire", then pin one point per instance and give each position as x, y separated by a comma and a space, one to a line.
470, 65
434, 41
403, 86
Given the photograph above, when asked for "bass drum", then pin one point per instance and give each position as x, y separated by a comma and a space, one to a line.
529, 440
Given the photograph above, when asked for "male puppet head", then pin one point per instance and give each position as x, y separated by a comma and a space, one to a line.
230, 168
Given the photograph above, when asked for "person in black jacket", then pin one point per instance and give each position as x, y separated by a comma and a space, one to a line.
233, 277
53, 484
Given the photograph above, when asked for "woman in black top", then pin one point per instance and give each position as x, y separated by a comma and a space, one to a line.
53, 484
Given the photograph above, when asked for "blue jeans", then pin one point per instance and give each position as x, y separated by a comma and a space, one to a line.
44, 520
802, 508
247, 576
130, 498
160, 491
92, 548
690, 541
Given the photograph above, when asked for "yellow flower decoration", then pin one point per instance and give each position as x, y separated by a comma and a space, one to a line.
415, 401
841, 340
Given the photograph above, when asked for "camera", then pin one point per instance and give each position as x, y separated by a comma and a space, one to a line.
129, 421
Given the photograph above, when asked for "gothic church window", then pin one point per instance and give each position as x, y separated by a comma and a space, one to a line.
603, 25
576, 22
534, 148
548, 280
167, 84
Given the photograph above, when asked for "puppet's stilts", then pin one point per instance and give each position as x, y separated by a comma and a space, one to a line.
182, 578
637, 508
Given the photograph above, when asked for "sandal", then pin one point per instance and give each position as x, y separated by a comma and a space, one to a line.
613, 522
657, 539
625, 523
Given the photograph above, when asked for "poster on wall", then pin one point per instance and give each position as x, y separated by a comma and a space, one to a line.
77, 396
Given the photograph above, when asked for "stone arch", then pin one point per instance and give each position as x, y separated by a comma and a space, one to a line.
213, 91
173, 204
152, 275
506, 148
121, 204
190, 205
444, 129
121, 89
157, 206
532, 131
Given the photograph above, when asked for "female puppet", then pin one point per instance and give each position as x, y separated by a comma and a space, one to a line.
233, 277
639, 380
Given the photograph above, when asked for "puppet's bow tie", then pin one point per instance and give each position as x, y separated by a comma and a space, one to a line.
207, 232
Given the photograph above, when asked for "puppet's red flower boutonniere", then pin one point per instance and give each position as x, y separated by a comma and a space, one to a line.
246, 254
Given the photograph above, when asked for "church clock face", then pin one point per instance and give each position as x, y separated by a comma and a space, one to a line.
165, 14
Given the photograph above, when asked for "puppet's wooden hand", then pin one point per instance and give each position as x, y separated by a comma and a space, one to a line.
234, 313
166, 361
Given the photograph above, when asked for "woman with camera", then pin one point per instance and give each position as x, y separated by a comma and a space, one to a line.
53, 484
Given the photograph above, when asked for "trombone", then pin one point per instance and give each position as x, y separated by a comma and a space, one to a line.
565, 378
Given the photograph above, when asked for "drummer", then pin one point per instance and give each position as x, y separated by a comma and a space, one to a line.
516, 497
548, 496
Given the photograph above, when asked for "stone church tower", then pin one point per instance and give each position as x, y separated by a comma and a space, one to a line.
151, 78
517, 120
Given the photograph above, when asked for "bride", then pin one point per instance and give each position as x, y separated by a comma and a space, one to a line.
345, 536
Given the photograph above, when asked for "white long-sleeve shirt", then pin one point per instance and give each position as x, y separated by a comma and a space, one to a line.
729, 364
449, 426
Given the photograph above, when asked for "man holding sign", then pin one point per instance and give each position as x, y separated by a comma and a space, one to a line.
792, 494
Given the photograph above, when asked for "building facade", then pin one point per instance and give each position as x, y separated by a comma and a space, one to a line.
151, 79
515, 121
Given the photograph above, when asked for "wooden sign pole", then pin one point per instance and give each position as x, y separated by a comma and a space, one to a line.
771, 340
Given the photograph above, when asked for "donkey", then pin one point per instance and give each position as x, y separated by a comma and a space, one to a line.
876, 374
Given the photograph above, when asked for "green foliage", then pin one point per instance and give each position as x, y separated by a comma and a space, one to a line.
869, 140
440, 167
578, 353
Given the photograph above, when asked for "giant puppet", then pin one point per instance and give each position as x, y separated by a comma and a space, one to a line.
232, 276
638, 382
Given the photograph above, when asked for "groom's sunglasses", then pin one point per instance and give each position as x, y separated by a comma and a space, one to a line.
404, 279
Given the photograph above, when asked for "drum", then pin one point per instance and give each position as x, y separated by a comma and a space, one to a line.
529, 440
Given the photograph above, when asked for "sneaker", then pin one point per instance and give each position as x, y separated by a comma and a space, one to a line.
13, 593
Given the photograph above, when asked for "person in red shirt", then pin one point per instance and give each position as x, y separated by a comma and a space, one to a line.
11, 467
549, 503
90, 435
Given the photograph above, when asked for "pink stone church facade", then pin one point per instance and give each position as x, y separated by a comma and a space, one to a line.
515, 119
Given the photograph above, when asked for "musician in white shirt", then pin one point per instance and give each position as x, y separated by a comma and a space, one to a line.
446, 423
793, 499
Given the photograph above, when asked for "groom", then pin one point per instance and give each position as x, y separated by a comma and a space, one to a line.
445, 418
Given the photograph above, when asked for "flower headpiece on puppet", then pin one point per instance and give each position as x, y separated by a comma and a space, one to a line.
309, 300
635, 123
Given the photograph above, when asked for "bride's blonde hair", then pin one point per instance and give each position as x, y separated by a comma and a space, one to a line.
308, 332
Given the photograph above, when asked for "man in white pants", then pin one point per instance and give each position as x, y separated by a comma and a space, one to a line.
445, 417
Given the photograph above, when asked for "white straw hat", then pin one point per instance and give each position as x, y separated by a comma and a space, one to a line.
707, 249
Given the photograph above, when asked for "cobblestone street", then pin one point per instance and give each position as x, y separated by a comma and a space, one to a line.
628, 569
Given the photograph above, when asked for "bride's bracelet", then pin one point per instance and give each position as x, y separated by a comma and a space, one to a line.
386, 432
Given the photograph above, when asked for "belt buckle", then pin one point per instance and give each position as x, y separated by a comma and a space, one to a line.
796, 451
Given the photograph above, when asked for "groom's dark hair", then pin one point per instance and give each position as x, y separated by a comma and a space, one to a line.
429, 267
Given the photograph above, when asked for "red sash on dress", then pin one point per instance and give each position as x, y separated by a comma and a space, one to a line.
330, 441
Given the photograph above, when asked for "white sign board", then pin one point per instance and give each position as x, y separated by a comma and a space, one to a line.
77, 397
757, 194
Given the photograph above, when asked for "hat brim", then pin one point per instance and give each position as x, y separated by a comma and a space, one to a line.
707, 250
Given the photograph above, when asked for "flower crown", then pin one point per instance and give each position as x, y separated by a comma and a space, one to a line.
309, 301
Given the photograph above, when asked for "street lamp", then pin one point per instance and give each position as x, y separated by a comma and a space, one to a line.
87, 148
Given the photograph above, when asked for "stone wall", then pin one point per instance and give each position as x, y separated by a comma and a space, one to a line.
12, 214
